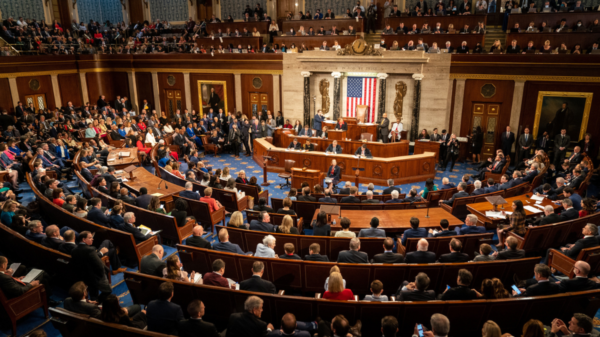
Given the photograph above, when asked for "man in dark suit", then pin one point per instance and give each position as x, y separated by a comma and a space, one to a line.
256, 283
395, 198
369, 199
444, 232
517, 179
352, 197
12, 286
78, 301
124, 195
307, 132
224, 245
569, 213
470, 226
153, 264
550, 217
543, 142
189, 192
306, 195
164, 316
494, 167
334, 148
86, 263
353, 255
589, 240
532, 172
462, 291
96, 215
264, 224
446, 184
363, 152
388, 256
578, 178
289, 252
511, 253
580, 282
144, 199
334, 172
195, 326
421, 255
372, 232
196, 240
460, 194
507, 139
391, 188
313, 250
416, 291
295, 145
129, 227
414, 231
327, 197
455, 254
543, 287
346, 189
478, 190
248, 322
383, 129
561, 143
491, 186
525, 142
545, 190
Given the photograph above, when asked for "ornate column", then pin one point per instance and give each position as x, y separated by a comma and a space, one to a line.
306, 75
238, 91
515, 111
133, 91
382, 87
336, 94
56, 90
188, 92
459, 97
276, 94
414, 127
84, 89
14, 91
156, 91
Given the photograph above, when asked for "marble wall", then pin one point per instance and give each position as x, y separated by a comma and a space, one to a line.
399, 66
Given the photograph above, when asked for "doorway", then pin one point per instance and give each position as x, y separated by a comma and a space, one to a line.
486, 115
173, 101
38, 100
286, 6
258, 102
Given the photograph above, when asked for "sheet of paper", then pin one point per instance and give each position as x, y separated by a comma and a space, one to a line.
540, 206
112, 159
221, 39
158, 194
497, 215
124, 179
537, 203
14, 266
532, 209
197, 277
537, 197
31, 276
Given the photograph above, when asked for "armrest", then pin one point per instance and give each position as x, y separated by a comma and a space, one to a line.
218, 216
281, 292
519, 238
300, 224
317, 295
400, 248
446, 207
559, 261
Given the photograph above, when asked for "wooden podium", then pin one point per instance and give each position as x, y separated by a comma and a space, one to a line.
336, 134
312, 177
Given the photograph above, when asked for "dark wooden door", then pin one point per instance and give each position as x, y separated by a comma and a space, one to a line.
487, 115
286, 6
136, 11
173, 101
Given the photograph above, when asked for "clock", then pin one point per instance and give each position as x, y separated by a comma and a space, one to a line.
359, 46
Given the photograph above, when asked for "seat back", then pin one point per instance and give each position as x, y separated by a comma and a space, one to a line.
289, 163
366, 136
459, 207
361, 113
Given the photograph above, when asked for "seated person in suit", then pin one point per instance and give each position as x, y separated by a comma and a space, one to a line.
446, 184
569, 212
549, 218
589, 240
196, 240
189, 192
341, 125
334, 148
478, 190
353, 255
416, 291
395, 198
78, 301
306, 195
580, 324
460, 194
372, 232
129, 226
470, 226
346, 189
352, 197
248, 323
376, 290
327, 197
12, 287
215, 278
289, 252
224, 245
412, 196
295, 145
444, 232
580, 282
363, 151
512, 252
504, 182
421, 255
195, 326
313, 250
462, 291
491, 186
544, 190
152, 264
308, 146
334, 172
256, 283
414, 231
306, 132
388, 256
370, 199
267, 247
162, 315
345, 232
263, 224
484, 253
455, 254
391, 188
531, 173
543, 286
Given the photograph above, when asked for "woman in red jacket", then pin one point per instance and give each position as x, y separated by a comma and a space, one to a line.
336, 289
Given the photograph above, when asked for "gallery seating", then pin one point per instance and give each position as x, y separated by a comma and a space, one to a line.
441, 245
19, 307
564, 264
201, 211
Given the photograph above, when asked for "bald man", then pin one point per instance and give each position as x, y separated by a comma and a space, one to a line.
196, 240
580, 282
153, 264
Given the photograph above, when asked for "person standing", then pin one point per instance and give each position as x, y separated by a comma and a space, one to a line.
234, 139
507, 138
371, 17
561, 143
452, 150
384, 128
525, 142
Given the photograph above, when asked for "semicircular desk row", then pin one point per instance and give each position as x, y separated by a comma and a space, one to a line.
402, 169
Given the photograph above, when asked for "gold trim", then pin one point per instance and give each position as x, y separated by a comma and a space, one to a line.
586, 110
529, 63
38, 73
524, 78
224, 84
139, 70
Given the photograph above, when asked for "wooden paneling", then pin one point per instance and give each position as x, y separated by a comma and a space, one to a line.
109, 84
163, 85
552, 19
247, 87
136, 11
70, 89
457, 21
230, 84
144, 89
341, 24
455, 39
6, 102
204, 11
284, 7
314, 41
65, 13
503, 96
261, 26
45, 88
569, 39
532, 89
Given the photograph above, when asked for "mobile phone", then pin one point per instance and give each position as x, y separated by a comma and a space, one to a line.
516, 289
420, 329
447, 287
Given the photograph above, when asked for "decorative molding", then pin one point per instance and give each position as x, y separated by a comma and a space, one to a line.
149, 70
418, 77
382, 76
395, 171
306, 74
306, 162
377, 171
123, 4
524, 78
336, 74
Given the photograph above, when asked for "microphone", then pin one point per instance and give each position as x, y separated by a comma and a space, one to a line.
166, 186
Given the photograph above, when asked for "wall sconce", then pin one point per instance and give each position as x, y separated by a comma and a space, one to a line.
146, 3
123, 4
74, 3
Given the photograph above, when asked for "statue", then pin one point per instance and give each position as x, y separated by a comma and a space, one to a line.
324, 89
398, 102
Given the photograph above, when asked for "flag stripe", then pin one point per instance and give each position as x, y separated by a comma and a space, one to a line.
362, 91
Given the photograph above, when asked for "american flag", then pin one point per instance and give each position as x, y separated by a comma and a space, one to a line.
362, 91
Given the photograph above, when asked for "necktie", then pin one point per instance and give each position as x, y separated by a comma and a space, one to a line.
19, 281
332, 170
495, 166
526, 137
543, 142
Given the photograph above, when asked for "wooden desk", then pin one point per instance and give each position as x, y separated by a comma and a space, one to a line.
143, 178
480, 208
342, 24
354, 129
123, 162
312, 177
552, 19
393, 221
261, 26
570, 39
402, 169
349, 146
314, 41
455, 40
422, 147
458, 21
255, 42
336, 134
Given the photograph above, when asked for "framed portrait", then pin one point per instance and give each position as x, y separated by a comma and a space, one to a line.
556, 110
213, 94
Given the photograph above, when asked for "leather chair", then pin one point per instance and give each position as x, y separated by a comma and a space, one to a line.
367, 136
361, 113
19, 307
287, 175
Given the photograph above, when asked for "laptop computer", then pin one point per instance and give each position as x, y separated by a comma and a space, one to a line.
515, 10
532, 10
